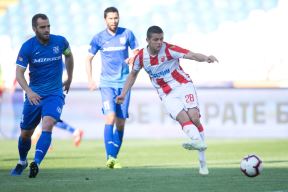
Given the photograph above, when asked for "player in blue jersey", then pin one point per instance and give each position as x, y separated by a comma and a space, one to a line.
44, 98
113, 44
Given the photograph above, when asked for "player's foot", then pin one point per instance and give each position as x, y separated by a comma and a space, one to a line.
117, 164
78, 134
18, 169
195, 145
203, 170
33, 170
110, 162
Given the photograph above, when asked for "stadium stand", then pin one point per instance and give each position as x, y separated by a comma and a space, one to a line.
206, 15
78, 21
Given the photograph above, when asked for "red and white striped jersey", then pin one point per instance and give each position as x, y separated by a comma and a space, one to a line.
164, 69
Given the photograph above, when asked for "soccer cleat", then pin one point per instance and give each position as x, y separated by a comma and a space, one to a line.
203, 170
18, 169
117, 164
110, 162
78, 134
33, 170
195, 145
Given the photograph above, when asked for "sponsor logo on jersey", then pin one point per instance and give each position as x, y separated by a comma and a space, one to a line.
114, 48
159, 74
41, 60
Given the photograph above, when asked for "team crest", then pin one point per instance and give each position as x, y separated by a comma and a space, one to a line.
162, 59
55, 50
59, 110
122, 40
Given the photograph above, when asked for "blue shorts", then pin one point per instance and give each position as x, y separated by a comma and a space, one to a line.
109, 95
48, 106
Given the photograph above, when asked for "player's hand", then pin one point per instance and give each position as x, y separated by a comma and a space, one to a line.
66, 84
211, 59
33, 97
92, 85
130, 60
120, 99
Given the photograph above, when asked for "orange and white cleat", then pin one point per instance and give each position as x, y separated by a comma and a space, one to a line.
78, 134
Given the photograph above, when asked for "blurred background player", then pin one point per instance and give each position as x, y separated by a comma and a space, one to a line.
175, 88
1, 94
77, 133
113, 43
44, 97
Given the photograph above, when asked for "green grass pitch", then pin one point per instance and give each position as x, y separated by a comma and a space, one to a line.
149, 165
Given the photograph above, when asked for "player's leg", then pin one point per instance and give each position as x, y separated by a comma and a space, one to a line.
77, 133
195, 117
109, 110
108, 139
175, 107
36, 134
117, 140
31, 118
191, 131
24, 145
121, 115
51, 112
188, 97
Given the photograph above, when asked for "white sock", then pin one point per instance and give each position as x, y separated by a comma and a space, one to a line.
202, 157
191, 131
22, 162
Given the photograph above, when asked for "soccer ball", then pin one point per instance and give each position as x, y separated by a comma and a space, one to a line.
251, 165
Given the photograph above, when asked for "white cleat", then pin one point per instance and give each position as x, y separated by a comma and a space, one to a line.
203, 170
195, 145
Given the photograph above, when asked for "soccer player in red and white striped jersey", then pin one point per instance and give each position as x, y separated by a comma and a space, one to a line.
175, 88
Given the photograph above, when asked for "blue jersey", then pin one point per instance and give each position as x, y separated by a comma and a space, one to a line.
114, 51
45, 64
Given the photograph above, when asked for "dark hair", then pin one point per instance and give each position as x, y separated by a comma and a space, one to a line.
109, 10
153, 29
36, 17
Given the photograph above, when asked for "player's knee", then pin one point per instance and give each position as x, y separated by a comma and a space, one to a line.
196, 120
25, 135
48, 125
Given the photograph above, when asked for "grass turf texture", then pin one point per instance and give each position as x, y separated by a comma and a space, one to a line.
149, 165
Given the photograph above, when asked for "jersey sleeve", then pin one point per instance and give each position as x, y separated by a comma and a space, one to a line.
94, 46
23, 56
133, 43
176, 51
138, 61
66, 47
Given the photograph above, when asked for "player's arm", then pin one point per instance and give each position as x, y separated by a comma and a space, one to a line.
127, 86
130, 60
69, 64
200, 57
91, 82
33, 97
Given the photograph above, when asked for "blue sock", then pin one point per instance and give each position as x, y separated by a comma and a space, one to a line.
117, 137
23, 148
65, 126
42, 146
108, 140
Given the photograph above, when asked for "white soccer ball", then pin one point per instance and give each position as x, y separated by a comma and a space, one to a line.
251, 166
